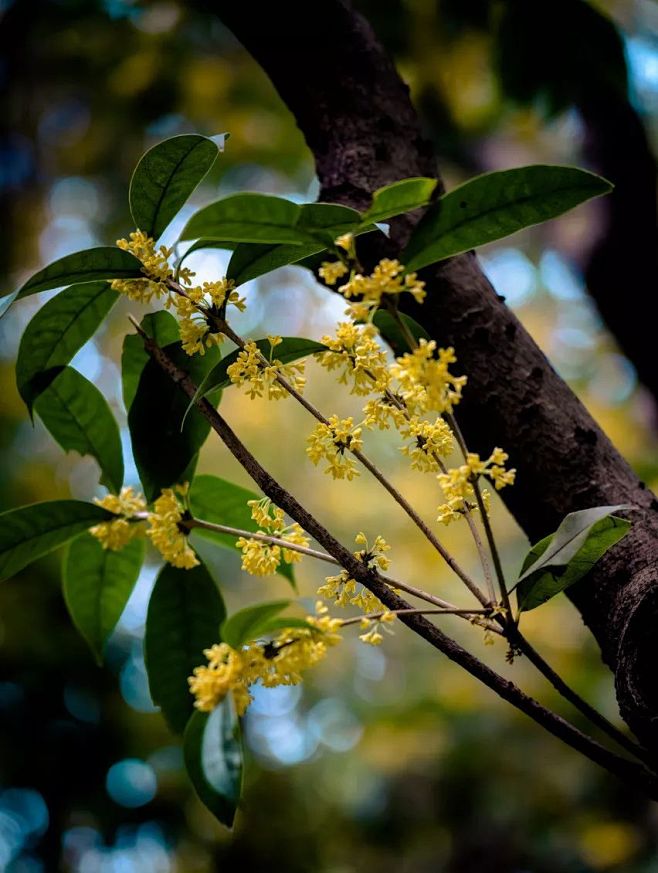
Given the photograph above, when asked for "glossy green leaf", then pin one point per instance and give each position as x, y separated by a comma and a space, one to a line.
330, 219
252, 218
184, 615
392, 332
29, 532
495, 205
221, 502
165, 177
91, 265
97, 584
563, 558
213, 758
57, 331
160, 326
398, 198
163, 451
79, 418
251, 260
247, 624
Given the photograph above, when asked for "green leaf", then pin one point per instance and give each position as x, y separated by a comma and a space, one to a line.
393, 333
6, 301
329, 219
213, 759
165, 177
78, 417
91, 265
252, 218
251, 260
56, 332
163, 451
247, 624
496, 205
220, 502
184, 615
31, 531
160, 326
97, 584
398, 198
565, 557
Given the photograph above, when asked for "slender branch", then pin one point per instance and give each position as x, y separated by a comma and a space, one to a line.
628, 771
374, 616
447, 607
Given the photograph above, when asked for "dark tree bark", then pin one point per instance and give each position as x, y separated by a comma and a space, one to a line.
358, 120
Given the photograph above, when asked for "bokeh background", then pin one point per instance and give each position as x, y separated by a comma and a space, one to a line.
387, 759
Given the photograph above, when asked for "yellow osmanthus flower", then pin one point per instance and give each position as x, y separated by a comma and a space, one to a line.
280, 661
357, 354
383, 411
115, 534
260, 378
425, 381
431, 440
331, 271
373, 635
330, 442
260, 558
342, 589
155, 264
195, 310
388, 278
166, 533
457, 484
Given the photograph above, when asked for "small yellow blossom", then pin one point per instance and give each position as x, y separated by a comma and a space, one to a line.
330, 442
425, 381
457, 483
260, 376
260, 558
155, 264
331, 272
115, 534
387, 278
431, 441
345, 242
280, 661
166, 533
343, 590
356, 352
383, 411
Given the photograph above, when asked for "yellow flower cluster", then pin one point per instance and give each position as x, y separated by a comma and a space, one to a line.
343, 590
431, 441
357, 354
261, 378
155, 264
371, 626
457, 484
260, 558
330, 442
425, 382
280, 661
387, 279
115, 534
167, 534
195, 305
331, 271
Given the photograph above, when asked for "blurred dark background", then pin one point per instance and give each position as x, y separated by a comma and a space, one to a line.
387, 759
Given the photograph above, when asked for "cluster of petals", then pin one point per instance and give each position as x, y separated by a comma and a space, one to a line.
261, 376
356, 354
260, 558
279, 661
331, 441
457, 483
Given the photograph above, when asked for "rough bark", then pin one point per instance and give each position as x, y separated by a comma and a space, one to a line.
358, 120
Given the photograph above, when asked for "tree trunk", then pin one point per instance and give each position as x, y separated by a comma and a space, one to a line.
358, 120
